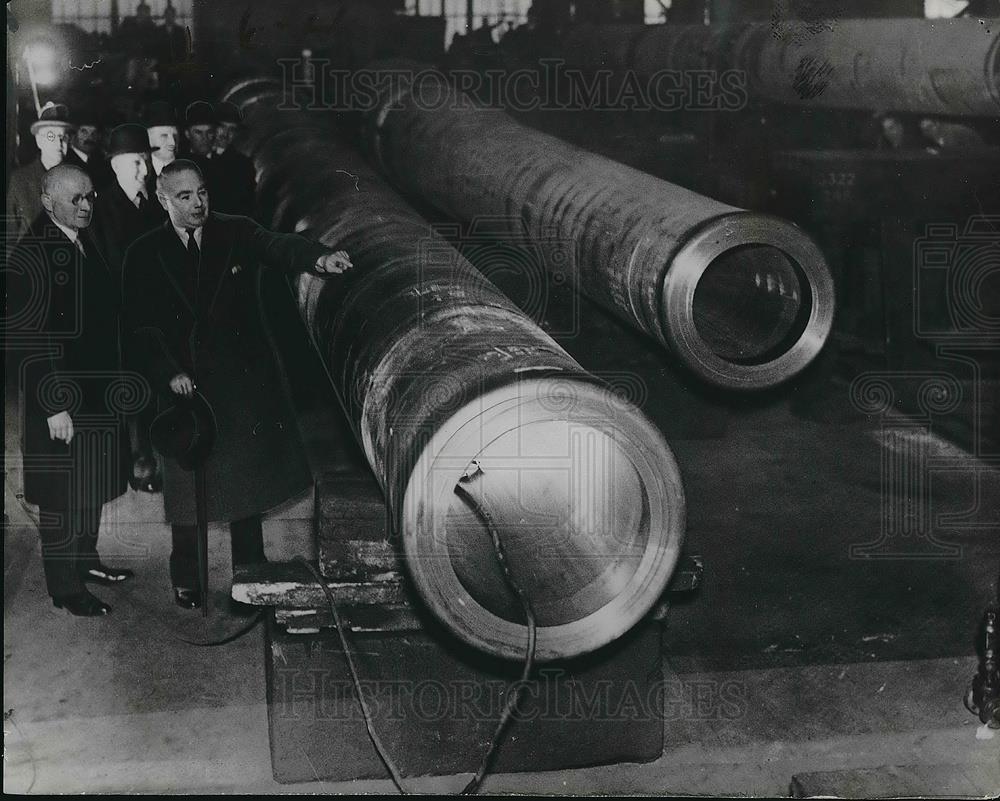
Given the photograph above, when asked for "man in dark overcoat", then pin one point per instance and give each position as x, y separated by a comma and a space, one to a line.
85, 145
52, 131
123, 213
64, 303
193, 325
124, 209
236, 177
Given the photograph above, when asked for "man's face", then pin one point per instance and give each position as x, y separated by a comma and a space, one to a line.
131, 170
201, 138
225, 133
87, 138
70, 200
52, 141
185, 198
163, 141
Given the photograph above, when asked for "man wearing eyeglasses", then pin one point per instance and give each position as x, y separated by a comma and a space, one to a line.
63, 309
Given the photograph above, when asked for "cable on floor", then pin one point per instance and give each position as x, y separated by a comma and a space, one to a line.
482, 509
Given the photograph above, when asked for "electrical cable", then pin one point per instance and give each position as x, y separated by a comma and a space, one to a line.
479, 505
514, 696
384, 755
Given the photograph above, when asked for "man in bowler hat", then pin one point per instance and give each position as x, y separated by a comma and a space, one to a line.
192, 325
52, 132
161, 128
123, 213
63, 308
125, 209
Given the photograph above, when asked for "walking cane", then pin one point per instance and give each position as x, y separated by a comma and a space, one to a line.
201, 517
186, 432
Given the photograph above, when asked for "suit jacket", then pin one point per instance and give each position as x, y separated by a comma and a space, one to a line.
63, 322
97, 167
23, 200
232, 183
118, 223
203, 319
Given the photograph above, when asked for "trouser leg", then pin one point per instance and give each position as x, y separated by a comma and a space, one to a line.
247, 537
59, 532
90, 523
184, 556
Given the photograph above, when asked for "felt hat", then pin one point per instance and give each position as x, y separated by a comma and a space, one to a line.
228, 112
185, 431
52, 115
128, 138
157, 113
199, 113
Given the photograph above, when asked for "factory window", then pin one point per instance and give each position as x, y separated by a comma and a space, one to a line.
656, 11
484, 12
95, 16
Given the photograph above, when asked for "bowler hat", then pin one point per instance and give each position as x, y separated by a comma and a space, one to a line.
185, 431
128, 138
52, 115
199, 113
157, 113
228, 112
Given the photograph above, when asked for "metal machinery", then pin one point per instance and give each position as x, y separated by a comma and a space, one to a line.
743, 300
878, 137
447, 384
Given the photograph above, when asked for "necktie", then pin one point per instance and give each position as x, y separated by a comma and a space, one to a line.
193, 251
79, 246
140, 201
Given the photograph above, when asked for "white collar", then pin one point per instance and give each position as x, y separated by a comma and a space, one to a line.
183, 234
84, 157
158, 165
71, 234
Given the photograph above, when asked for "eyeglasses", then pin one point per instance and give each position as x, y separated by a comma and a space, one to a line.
91, 196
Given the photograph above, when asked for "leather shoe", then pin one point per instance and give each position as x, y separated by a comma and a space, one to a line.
102, 574
82, 604
145, 476
186, 598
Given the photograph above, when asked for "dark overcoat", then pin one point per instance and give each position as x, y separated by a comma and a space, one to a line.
118, 223
232, 182
204, 320
97, 167
24, 203
63, 321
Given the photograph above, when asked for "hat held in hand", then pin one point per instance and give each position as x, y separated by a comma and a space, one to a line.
186, 431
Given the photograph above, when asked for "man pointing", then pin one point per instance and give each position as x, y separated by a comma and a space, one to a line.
192, 325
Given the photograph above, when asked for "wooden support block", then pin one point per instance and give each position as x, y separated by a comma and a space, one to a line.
435, 704
353, 527
390, 617
289, 584
901, 781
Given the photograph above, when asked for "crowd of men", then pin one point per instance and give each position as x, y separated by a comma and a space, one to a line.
131, 263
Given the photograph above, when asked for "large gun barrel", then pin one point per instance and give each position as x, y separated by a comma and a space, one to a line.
744, 300
938, 67
447, 384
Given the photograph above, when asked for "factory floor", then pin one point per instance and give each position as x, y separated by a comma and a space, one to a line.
841, 675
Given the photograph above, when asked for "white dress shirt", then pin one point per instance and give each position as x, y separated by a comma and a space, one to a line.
84, 157
183, 234
71, 233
